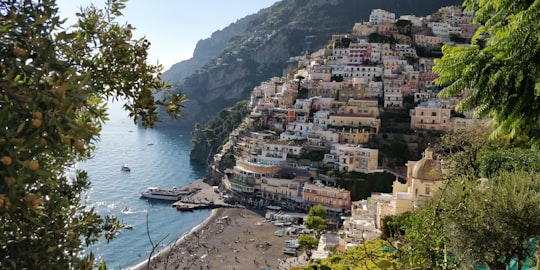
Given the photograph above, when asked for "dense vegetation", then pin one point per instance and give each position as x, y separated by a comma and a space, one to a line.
499, 74
54, 84
209, 138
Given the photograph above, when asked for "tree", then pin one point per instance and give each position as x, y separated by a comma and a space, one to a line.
318, 210
308, 242
494, 161
462, 148
299, 78
316, 219
316, 223
55, 81
374, 254
472, 153
495, 221
498, 76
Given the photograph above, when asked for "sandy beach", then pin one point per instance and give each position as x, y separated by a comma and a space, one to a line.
231, 238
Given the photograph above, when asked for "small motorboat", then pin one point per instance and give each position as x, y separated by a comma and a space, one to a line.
184, 208
125, 168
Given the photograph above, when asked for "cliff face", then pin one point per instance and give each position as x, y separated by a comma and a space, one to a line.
206, 50
227, 66
209, 92
200, 152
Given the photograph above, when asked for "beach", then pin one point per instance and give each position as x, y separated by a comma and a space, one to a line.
231, 238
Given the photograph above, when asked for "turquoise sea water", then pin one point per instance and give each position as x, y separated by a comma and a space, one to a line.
156, 158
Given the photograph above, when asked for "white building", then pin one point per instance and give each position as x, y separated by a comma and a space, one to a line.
321, 119
416, 21
296, 131
379, 16
368, 73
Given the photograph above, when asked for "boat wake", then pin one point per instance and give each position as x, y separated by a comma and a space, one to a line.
127, 211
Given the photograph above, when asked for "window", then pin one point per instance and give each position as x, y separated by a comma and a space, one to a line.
428, 189
433, 113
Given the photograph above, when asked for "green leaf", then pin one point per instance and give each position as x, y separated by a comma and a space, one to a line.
385, 264
21, 127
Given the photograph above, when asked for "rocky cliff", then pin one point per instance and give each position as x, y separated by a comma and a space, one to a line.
206, 50
261, 45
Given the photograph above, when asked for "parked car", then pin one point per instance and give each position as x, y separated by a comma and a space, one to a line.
289, 251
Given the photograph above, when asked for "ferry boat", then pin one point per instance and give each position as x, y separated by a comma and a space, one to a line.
174, 194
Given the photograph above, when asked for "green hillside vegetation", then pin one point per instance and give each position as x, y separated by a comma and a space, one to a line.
216, 132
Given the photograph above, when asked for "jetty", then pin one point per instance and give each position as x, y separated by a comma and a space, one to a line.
203, 196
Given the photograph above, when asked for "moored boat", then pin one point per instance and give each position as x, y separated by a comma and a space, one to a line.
184, 208
125, 168
173, 194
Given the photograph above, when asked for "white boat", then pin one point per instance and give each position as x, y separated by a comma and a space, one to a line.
125, 168
174, 194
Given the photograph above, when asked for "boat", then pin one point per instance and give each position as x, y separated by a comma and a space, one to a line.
174, 194
125, 168
184, 208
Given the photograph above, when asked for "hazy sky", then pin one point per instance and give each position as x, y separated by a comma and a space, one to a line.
174, 26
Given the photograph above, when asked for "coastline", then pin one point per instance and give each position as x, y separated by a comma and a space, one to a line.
184, 238
230, 239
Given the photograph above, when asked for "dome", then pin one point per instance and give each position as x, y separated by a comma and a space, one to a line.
427, 168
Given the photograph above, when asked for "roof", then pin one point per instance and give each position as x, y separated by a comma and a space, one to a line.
427, 168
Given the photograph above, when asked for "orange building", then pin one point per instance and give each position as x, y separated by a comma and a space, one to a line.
334, 199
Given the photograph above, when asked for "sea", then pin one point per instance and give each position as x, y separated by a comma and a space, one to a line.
157, 157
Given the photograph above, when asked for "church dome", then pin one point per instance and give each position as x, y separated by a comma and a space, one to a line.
427, 168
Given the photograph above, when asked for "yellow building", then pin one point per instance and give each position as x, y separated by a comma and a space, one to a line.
424, 178
431, 115
428, 41
351, 158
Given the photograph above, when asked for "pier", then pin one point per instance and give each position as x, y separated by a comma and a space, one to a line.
203, 196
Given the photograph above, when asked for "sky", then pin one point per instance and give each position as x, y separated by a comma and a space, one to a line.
173, 27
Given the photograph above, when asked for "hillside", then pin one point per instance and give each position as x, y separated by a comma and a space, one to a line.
263, 48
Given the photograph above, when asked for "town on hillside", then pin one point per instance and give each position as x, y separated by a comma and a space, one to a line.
332, 104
